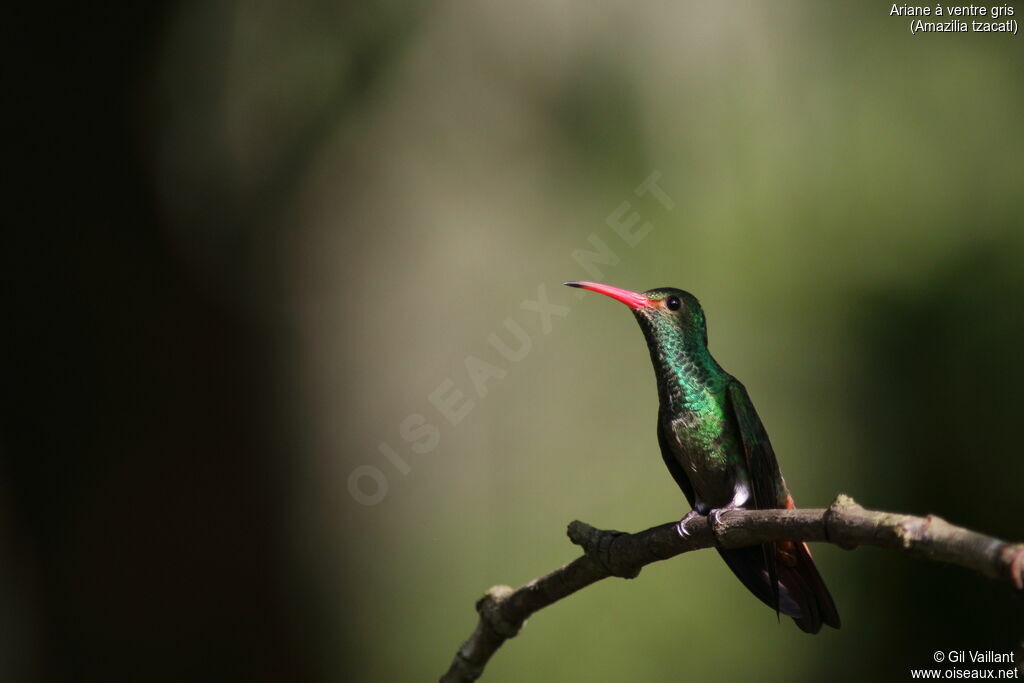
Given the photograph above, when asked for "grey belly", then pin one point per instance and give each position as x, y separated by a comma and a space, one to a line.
714, 482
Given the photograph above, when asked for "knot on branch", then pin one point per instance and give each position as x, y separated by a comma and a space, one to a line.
597, 544
489, 609
914, 531
838, 518
1013, 557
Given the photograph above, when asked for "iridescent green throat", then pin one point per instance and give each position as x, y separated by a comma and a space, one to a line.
688, 376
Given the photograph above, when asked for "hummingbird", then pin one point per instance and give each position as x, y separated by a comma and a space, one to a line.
718, 452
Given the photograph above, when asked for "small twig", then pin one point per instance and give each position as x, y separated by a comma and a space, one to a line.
503, 610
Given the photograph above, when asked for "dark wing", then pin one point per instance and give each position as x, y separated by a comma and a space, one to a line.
674, 467
762, 467
762, 470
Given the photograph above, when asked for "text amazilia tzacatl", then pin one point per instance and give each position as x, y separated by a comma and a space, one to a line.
717, 450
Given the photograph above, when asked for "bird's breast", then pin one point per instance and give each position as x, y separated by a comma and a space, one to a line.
704, 448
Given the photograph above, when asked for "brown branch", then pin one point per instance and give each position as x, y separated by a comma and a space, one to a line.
503, 610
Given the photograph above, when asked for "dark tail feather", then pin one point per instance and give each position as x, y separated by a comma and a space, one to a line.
802, 592
749, 567
805, 584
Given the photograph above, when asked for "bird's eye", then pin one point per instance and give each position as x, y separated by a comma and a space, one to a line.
673, 303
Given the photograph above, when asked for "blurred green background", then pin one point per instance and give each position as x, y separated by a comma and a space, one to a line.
285, 227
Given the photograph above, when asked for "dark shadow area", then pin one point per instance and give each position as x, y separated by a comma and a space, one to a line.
939, 384
142, 481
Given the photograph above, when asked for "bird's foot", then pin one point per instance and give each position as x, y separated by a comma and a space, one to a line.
715, 517
681, 525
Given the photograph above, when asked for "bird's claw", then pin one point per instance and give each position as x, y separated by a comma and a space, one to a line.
715, 516
681, 525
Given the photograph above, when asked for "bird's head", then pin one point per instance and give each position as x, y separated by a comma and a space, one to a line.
667, 315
